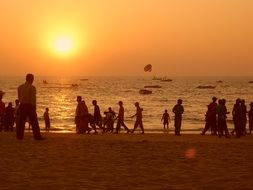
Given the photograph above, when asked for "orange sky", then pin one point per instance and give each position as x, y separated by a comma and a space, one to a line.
112, 37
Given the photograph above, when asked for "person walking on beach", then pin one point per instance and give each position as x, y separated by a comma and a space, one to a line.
97, 118
250, 115
16, 112
237, 112
138, 116
166, 119
27, 98
82, 116
109, 120
9, 117
178, 110
212, 116
120, 118
2, 110
222, 124
47, 119
243, 117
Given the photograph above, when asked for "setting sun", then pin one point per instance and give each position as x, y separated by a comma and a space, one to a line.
63, 45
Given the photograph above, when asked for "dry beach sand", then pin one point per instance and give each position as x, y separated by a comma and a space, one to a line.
109, 161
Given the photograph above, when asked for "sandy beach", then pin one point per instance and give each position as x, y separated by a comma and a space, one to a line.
109, 161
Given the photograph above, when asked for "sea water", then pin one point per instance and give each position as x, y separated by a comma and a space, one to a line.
59, 95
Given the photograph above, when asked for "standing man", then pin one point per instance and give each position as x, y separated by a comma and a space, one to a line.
121, 118
2, 110
138, 115
27, 109
178, 110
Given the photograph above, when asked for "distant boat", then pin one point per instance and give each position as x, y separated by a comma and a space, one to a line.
144, 91
206, 87
45, 82
157, 78
251, 81
219, 81
166, 80
163, 79
153, 86
83, 79
74, 85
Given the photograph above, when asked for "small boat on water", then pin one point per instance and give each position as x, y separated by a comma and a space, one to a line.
144, 91
219, 81
45, 82
157, 78
153, 86
206, 87
74, 85
163, 79
83, 79
251, 81
166, 80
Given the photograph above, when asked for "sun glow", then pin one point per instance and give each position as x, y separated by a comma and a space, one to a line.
63, 42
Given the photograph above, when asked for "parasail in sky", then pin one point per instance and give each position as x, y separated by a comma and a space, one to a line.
148, 68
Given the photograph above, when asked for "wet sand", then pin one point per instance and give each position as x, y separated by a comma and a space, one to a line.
109, 161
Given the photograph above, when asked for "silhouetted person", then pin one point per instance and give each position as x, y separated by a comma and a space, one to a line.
2, 110
250, 114
212, 116
237, 115
138, 116
16, 113
178, 110
120, 118
27, 98
222, 116
9, 117
225, 123
82, 116
166, 119
109, 120
97, 115
77, 116
47, 119
243, 117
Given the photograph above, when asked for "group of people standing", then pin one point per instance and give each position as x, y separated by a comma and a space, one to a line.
216, 117
24, 111
86, 122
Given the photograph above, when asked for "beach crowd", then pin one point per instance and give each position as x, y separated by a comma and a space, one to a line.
25, 111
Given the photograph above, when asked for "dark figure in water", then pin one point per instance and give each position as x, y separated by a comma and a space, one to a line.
27, 98
211, 118
120, 118
9, 117
250, 114
166, 119
47, 120
109, 120
243, 117
178, 110
237, 115
2, 110
138, 115
97, 118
